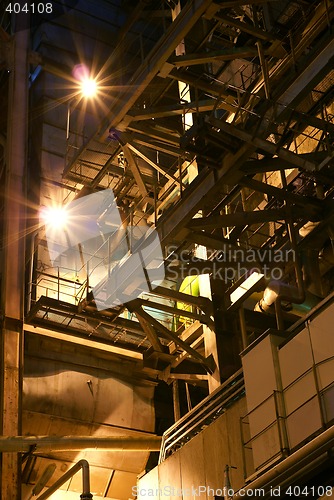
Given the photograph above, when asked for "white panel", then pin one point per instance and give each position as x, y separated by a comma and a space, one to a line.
325, 373
266, 446
328, 403
216, 453
295, 358
321, 329
303, 422
148, 486
170, 478
299, 392
259, 373
263, 416
192, 468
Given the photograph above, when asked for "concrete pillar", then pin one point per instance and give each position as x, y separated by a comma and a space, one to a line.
12, 296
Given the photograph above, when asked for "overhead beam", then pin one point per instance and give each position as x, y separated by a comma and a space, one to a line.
246, 28
202, 302
268, 164
314, 121
314, 205
238, 3
238, 219
173, 310
152, 132
180, 109
206, 57
67, 336
264, 145
197, 83
214, 242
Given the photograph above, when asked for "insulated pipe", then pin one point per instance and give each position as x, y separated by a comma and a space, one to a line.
22, 444
295, 462
86, 494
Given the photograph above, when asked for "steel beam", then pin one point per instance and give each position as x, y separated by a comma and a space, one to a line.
149, 330
237, 219
264, 145
173, 310
314, 205
180, 109
190, 14
206, 57
136, 172
202, 303
268, 164
195, 81
13, 271
174, 338
151, 163
246, 28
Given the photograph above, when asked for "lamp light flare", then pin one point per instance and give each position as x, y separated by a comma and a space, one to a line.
55, 217
89, 87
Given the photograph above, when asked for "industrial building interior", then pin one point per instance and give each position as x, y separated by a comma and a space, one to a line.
167, 268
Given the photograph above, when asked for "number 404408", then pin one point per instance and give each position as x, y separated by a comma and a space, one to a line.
33, 8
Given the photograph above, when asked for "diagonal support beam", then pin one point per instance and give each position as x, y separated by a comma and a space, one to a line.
151, 163
136, 172
314, 205
149, 330
172, 310
174, 338
265, 145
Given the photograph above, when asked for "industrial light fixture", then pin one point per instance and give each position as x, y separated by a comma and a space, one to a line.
247, 285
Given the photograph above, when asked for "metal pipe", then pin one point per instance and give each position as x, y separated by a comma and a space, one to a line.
86, 494
298, 460
21, 444
176, 400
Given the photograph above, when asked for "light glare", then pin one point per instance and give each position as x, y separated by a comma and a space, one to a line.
55, 217
89, 87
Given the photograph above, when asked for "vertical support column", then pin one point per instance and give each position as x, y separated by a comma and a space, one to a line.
12, 298
225, 344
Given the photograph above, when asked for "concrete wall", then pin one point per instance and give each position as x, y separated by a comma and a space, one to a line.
201, 462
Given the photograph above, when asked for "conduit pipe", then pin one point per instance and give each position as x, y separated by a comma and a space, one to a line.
86, 494
22, 444
295, 462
